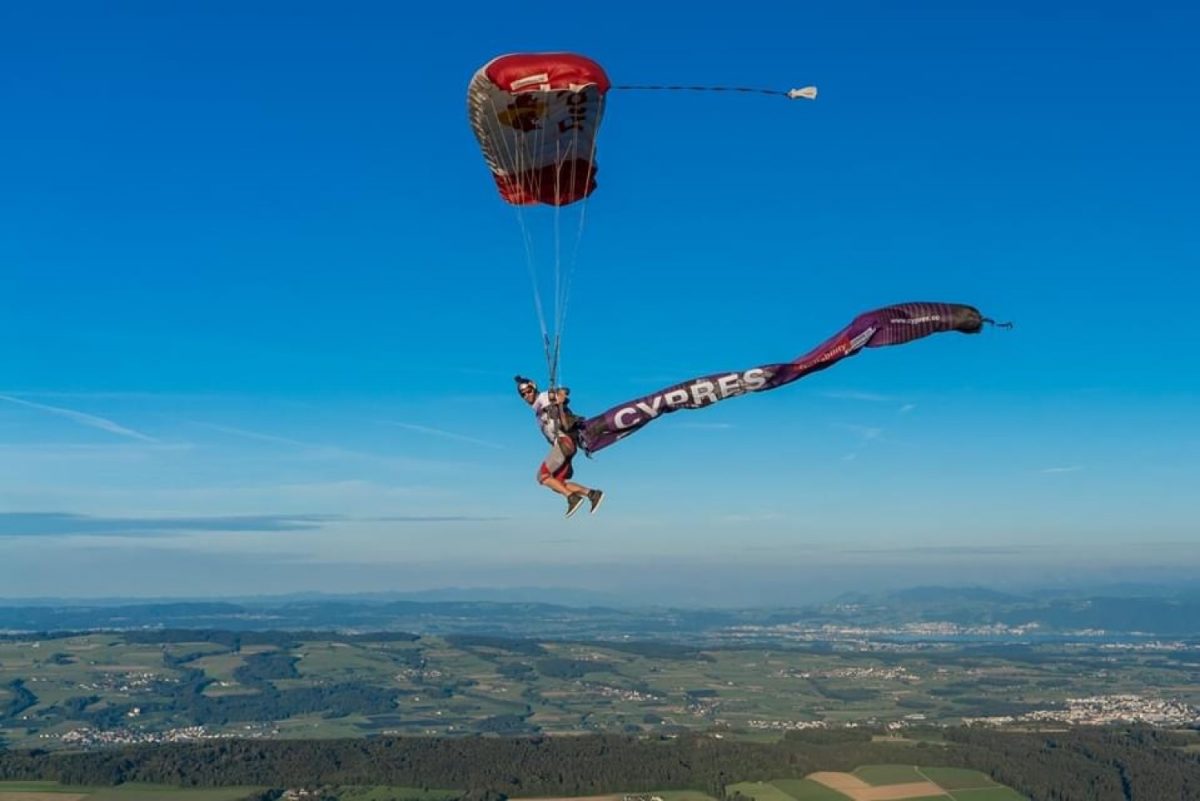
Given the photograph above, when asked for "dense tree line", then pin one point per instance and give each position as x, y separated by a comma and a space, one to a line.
22, 698
1089, 764
258, 669
1133, 764
557, 667
187, 701
845, 694
509, 644
516, 670
653, 650
234, 640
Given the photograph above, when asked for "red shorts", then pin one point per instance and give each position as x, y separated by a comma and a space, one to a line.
558, 461
563, 473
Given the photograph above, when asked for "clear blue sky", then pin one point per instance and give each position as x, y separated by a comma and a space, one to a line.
260, 304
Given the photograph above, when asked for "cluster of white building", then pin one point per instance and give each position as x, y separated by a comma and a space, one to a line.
621, 693
930, 629
88, 737
872, 672
787, 725
127, 682
1102, 710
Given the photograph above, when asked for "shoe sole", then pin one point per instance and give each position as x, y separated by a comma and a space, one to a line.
592, 511
574, 509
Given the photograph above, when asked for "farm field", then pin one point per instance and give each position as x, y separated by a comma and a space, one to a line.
881, 783
53, 791
111, 689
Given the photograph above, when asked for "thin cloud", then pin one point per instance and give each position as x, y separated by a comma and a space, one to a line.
87, 450
131, 395
438, 432
317, 450
870, 397
241, 432
944, 550
64, 524
753, 517
89, 420
906, 408
1067, 469
433, 519
867, 433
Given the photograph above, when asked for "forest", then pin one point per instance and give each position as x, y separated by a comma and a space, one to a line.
1099, 764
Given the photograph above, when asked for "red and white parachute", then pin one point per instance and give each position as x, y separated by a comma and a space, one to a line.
536, 116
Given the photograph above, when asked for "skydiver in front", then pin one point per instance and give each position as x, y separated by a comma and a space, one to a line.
559, 426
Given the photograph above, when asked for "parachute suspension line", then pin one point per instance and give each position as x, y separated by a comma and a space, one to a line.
549, 333
553, 355
583, 206
560, 274
990, 321
531, 268
521, 154
514, 162
805, 93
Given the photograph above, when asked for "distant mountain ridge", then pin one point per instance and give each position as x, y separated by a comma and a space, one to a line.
504, 613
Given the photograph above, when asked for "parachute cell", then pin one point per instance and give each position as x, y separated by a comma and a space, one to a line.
536, 116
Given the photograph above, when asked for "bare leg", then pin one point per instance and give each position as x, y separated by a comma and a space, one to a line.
560, 456
564, 487
558, 486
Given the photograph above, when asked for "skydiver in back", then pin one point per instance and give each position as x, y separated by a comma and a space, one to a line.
559, 426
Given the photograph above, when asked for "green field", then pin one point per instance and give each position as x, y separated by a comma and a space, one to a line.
434, 686
877, 775
156, 792
766, 791
780, 790
808, 790
996, 793
958, 778
680, 795
959, 784
387, 793
36, 787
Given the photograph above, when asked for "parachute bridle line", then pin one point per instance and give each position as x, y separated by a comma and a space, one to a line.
805, 93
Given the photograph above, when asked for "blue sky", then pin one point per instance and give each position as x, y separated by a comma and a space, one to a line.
260, 305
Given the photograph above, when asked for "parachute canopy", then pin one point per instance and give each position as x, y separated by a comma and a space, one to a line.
892, 325
536, 116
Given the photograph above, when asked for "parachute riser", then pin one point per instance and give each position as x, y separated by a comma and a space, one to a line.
552, 349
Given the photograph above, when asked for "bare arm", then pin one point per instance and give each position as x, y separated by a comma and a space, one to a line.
560, 397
